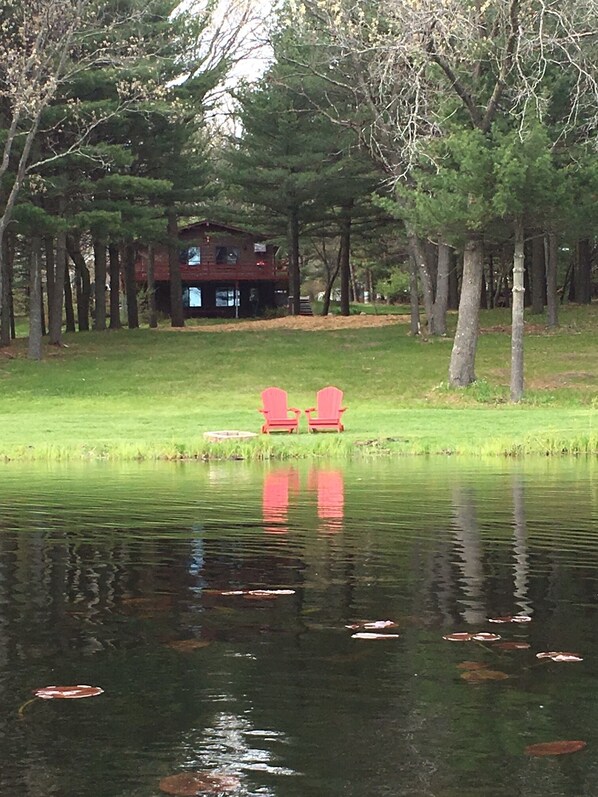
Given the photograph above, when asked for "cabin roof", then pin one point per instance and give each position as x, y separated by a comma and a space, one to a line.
210, 224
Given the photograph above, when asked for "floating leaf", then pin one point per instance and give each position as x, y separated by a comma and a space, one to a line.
559, 655
476, 676
471, 665
486, 637
372, 625
372, 635
458, 637
511, 618
68, 692
380, 624
191, 784
555, 748
188, 645
258, 594
512, 645
567, 657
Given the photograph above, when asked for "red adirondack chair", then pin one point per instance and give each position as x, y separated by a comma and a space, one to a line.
329, 410
276, 412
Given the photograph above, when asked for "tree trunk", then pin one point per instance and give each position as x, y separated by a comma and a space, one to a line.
345, 256
370, 283
583, 276
491, 281
462, 364
151, 288
114, 261
517, 313
130, 286
571, 278
294, 269
42, 309
414, 297
56, 301
330, 284
177, 312
483, 291
50, 274
538, 274
552, 299
69, 312
82, 281
418, 253
34, 346
442, 288
99, 267
527, 271
453, 297
5, 291
353, 293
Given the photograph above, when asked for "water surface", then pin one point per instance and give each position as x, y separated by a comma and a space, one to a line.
114, 577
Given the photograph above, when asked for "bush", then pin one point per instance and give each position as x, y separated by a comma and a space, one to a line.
396, 287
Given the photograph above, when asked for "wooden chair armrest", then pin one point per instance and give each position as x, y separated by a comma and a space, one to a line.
342, 409
295, 410
309, 409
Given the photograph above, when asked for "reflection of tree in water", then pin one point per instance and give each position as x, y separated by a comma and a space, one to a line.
470, 554
520, 554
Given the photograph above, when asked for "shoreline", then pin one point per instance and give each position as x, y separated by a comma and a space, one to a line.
269, 449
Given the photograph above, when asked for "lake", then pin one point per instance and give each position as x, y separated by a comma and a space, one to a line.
282, 628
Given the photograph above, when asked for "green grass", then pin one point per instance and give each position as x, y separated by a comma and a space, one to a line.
151, 394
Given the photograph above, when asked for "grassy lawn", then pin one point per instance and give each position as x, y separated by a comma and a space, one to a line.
152, 393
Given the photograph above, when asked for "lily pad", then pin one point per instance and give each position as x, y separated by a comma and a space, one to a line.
512, 645
559, 655
187, 645
477, 676
458, 637
484, 636
372, 625
68, 692
192, 784
555, 748
257, 594
511, 618
472, 665
567, 657
373, 635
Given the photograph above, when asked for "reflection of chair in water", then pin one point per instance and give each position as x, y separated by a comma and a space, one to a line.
331, 497
275, 499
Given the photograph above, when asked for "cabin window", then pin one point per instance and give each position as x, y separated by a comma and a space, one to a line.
191, 256
227, 255
192, 297
260, 248
227, 297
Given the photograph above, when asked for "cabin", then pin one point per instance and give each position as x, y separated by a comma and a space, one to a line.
226, 272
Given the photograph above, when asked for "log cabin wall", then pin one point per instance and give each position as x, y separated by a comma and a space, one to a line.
225, 272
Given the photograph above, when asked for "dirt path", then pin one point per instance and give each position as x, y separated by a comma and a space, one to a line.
305, 323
